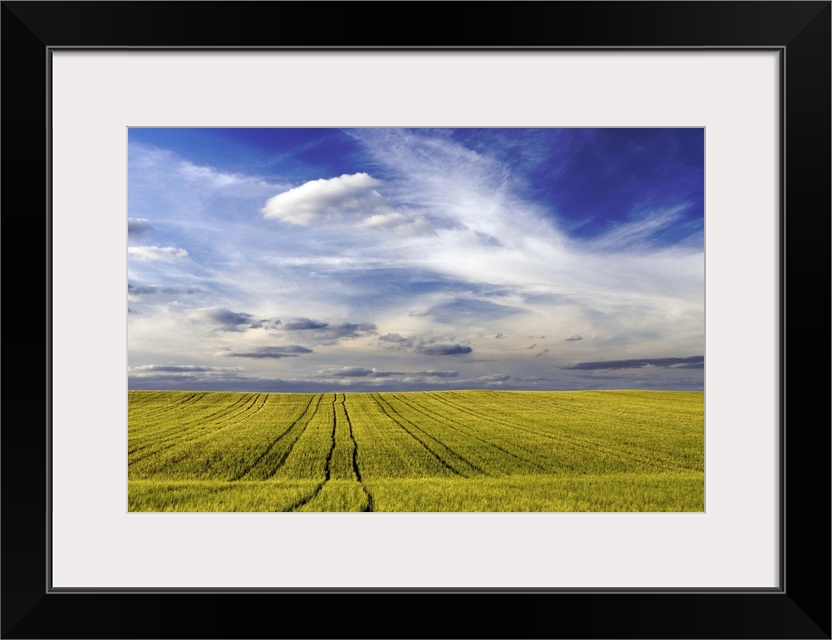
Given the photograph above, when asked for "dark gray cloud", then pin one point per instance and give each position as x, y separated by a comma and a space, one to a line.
138, 227
443, 349
428, 347
227, 320
351, 329
497, 377
358, 372
499, 335
437, 374
396, 339
396, 342
347, 372
574, 338
324, 333
290, 351
304, 324
532, 346
691, 362
364, 372
541, 353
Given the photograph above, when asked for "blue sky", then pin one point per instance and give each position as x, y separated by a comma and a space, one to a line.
409, 259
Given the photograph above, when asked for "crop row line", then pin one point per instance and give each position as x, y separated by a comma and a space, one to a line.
355, 468
327, 464
577, 442
229, 420
467, 432
180, 404
398, 418
199, 423
280, 437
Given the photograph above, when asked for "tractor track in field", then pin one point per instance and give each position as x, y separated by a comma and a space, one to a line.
355, 468
280, 437
398, 421
328, 463
445, 420
299, 503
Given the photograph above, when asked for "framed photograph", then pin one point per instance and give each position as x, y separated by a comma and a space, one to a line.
425, 320
374, 226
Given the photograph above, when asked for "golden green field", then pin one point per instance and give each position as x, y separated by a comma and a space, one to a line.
416, 451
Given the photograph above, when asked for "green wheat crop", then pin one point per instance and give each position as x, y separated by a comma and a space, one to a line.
421, 451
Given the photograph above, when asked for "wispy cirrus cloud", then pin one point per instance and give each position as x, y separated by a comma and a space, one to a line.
151, 290
156, 254
399, 247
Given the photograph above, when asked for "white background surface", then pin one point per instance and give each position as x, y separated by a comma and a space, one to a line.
96, 96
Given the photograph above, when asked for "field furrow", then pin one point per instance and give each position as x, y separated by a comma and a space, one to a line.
417, 451
355, 467
177, 427
385, 449
228, 449
275, 455
576, 447
446, 456
496, 458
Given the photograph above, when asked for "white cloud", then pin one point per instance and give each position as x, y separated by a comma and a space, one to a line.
217, 179
399, 223
182, 372
448, 234
635, 234
155, 254
347, 196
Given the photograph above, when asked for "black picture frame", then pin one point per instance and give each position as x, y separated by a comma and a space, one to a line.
799, 608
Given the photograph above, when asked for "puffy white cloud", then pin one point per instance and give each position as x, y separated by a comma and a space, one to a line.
344, 197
